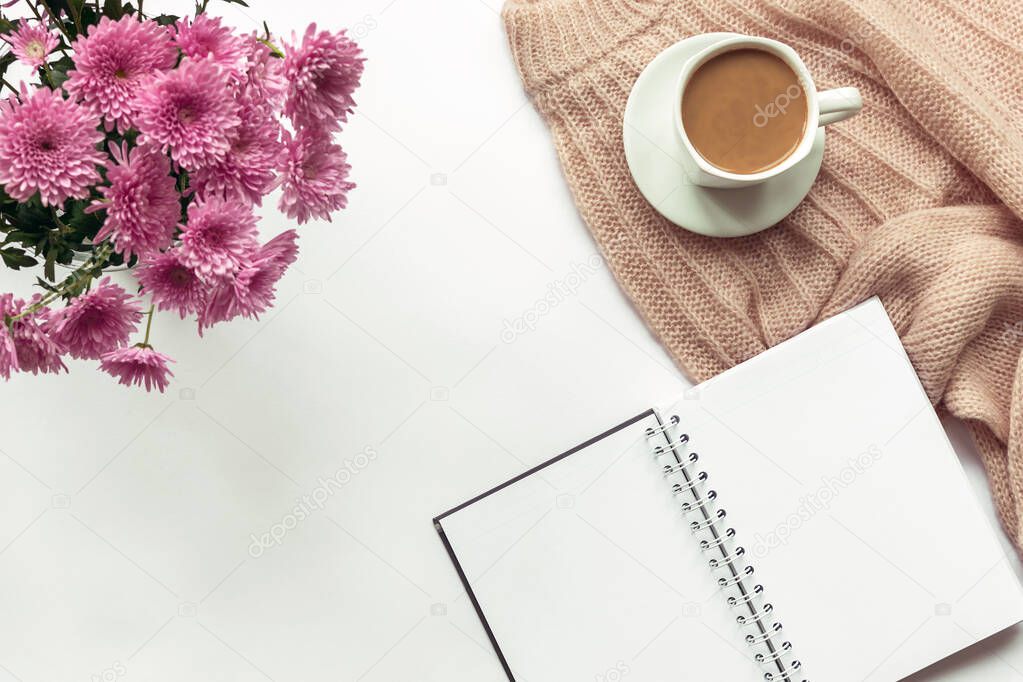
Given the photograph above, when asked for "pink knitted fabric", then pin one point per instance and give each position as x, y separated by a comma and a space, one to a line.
919, 201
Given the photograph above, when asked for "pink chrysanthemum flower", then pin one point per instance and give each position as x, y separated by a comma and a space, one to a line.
248, 169
172, 284
24, 345
138, 365
96, 322
262, 81
251, 292
322, 73
113, 62
8, 352
205, 38
47, 145
315, 176
189, 112
281, 251
222, 305
142, 202
219, 236
31, 44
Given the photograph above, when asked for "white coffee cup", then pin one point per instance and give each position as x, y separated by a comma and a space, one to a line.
823, 108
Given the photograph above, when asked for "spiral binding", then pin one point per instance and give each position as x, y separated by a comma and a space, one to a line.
700, 505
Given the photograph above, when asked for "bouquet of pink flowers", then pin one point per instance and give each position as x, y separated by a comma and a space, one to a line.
146, 142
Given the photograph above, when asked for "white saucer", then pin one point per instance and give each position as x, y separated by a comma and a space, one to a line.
658, 163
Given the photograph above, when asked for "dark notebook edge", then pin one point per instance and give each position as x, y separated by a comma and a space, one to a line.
451, 551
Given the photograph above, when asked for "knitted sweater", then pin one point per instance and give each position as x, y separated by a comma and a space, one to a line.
919, 199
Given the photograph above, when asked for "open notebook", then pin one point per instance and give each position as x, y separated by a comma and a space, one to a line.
801, 516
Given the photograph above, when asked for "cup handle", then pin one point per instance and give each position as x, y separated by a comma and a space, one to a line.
838, 105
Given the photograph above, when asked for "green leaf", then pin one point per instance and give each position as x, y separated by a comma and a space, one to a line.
58, 78
16, 259
20, 236
5, 61
51, 258
7, 204
237, 2
83, 225
58, 71
166, 19
88, 17
32, 217
113, 9
59, 5
117, 260
45, 285
65, 255
7, 26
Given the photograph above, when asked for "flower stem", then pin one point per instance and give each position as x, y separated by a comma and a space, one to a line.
35, 10
49, 74
55, 17
76, 16
72, 282
4, 82
149, 325
274, 50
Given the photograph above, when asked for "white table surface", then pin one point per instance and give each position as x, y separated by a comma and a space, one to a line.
126, 532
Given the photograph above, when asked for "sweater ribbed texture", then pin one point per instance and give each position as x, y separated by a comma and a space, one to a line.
919, 200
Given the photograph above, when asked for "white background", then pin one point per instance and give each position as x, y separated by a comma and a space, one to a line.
126, 532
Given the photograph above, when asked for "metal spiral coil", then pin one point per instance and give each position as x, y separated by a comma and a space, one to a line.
784, 673
737, 579
697, 526
681, 440
701, 504
728, 559
661, 428
680, 467
757, 617
710, 545
764, 636
668, 447
680, 488
776, 656
746, 598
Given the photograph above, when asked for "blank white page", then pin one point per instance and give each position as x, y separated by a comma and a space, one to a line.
586, 571
854, 510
